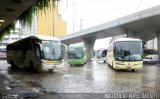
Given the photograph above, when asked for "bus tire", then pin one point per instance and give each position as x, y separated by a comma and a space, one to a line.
113, 66
31, 67
50, 70
13, 64
104, 61
133, 70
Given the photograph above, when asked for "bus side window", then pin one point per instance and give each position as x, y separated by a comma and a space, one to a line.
37, 50
104, 53
114, 49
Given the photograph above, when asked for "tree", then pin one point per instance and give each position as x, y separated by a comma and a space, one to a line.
26, 17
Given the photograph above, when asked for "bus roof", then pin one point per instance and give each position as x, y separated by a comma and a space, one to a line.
76, 45
43, 37
127, 39
100, 49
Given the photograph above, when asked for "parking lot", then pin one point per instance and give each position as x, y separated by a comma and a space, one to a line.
93, 77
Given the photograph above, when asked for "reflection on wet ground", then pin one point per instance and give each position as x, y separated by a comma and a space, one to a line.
92, 78
83, 81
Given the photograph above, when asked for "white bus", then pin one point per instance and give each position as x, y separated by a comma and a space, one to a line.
38, 53
101, 55
125, 53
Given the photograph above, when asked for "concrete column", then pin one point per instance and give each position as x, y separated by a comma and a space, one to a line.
130, 33
89, 44
158, 46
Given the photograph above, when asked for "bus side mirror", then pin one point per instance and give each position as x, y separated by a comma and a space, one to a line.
39, 45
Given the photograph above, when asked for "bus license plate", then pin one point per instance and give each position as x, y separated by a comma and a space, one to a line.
128, 67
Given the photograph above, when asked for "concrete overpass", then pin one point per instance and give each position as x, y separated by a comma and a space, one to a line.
144, 25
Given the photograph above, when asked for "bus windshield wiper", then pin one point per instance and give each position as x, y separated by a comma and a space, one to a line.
53, 53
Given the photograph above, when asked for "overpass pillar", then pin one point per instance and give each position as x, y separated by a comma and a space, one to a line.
158, 45
130, 33
89, 44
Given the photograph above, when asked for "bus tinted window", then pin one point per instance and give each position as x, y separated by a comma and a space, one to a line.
75, 53
128, 51
52, 50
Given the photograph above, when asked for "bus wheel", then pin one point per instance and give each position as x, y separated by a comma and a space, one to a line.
13, 65
31, 67
113, 66
104, 62
133, 70
50, 70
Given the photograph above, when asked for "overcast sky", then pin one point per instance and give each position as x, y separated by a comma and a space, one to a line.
94, 12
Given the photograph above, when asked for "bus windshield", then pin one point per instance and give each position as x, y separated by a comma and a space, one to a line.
128, 51
52, 50
75, 53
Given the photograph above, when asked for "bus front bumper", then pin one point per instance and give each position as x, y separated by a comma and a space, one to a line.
48, 67
76, 61
137, 67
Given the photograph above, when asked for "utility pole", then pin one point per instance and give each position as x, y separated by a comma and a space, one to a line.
53, 18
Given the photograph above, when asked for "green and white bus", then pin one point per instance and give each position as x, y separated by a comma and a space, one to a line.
125, 53
77, 54
38, 53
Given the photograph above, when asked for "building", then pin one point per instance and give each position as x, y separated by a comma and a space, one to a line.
14, 36
152, 44
49, 23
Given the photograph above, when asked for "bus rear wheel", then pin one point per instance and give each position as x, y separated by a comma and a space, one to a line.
31, 67
13, 66
133, 70
50, 70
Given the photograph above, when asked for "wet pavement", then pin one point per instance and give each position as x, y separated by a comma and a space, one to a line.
93, 81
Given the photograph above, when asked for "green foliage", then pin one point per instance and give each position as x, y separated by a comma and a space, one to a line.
7, 30
42, 4
26, 17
